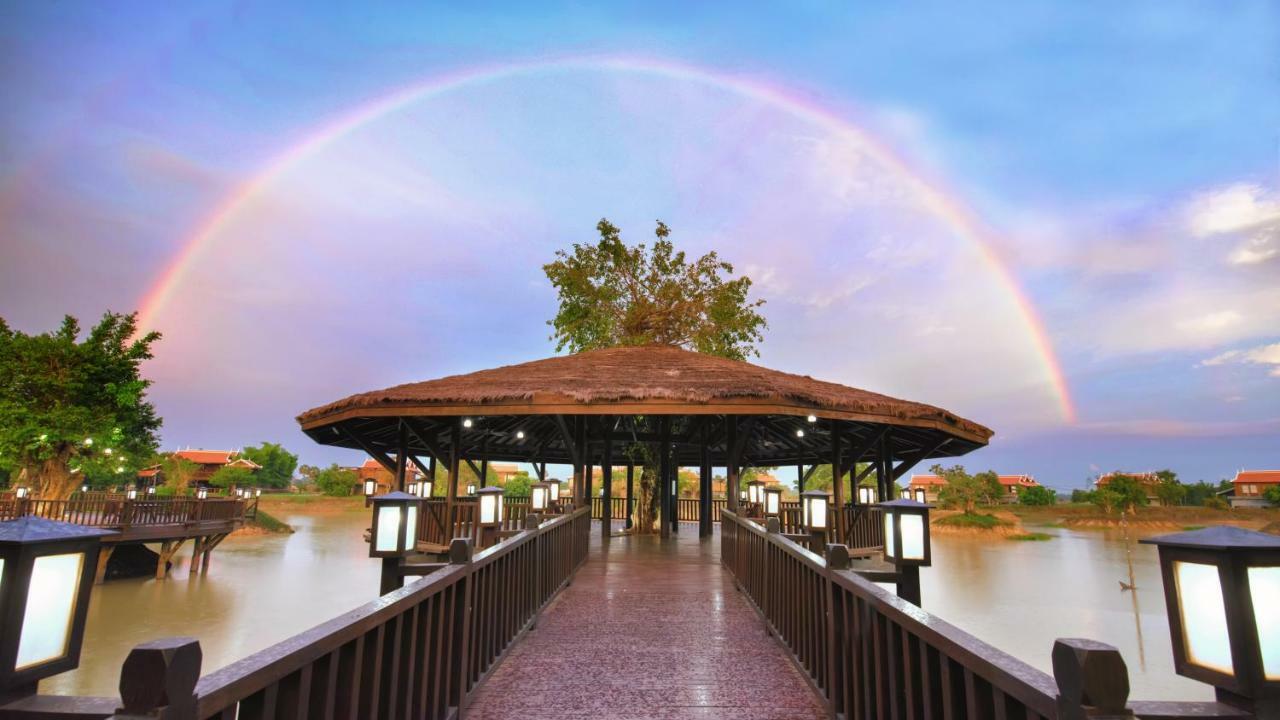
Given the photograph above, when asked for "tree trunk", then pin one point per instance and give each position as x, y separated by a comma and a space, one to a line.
53, 478
645, 518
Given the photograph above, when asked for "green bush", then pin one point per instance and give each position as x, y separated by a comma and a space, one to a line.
973, 520
1032, 537
1272, 495
336, 481
1213, 502
1038, 496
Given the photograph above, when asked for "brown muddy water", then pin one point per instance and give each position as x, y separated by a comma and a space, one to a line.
1017, 596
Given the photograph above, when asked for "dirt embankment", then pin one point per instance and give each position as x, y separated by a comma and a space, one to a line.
1007, 524
1148, 518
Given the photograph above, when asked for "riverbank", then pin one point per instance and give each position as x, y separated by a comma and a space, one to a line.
1176, 518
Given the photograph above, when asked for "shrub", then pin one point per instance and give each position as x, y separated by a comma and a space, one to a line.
1213, 502
1272, 495
336, 481
973, 520
1038, 496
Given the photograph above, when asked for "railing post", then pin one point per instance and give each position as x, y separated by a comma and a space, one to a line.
460, 553
1093, 681
837, 557
158, 680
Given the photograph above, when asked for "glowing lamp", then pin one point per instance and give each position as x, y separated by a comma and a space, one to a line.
1222, 590
490, 506
812, 418
151, 489
395, 525
906, 533
555, 491
412, 489
425, 488
867, 495
539, 496
370, 487
920, 495
742, 495
131, 494
755, 492
772, 501
813, 504
84, 488
471, 489
202, 493
21, 492
46, 573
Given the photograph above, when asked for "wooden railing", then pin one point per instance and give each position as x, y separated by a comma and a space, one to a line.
435, 531
871, 654
108, 510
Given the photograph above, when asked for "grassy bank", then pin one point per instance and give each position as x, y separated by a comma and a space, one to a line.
284, 503
1164, 518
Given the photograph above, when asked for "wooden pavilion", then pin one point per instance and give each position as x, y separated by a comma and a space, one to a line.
582, 410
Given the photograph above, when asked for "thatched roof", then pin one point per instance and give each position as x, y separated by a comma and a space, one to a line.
647, 380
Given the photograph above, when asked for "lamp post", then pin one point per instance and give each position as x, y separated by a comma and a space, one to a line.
772, 501
202, 493
539, 497
1222, 589
867, 495
393, 534
907, 544
553, 499
412, 489
813, 513
490, 515
755, 496
471, 490
46, 573
370, 488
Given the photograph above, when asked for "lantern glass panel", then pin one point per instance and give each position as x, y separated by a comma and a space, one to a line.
1203, 615
538, 498
771, 502
369, 487
912, 536
488, 508
888, 534
555, 492
388, 529
427, 488
817, 513
411, 526
1264, 588
51, 605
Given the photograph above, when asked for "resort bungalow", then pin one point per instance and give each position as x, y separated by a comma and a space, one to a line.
925, 488
207, 463
383, 477
1148, 480
1249, 486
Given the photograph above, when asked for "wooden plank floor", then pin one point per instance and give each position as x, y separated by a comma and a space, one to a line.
650, 630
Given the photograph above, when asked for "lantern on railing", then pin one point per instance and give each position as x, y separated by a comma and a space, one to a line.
471, 490
867, 495
131, 494
1222, 589
907, 544
202, 493
920, 495
46, 573
257, 492
21, 492
755, 492
412, 489
370, 487
772, 501
554, 497
490, 514
84, 488
425, 487
151, 489
539, 497
395, 525
813, 515
742, 495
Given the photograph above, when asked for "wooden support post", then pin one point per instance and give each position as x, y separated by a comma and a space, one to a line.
391, 578
104, 556
909, 583
402, 456
631, 492
451, 485
837, 479
731, 463
431, 473
606, 485
664, 473
1092, 678
581, 488
158, 680
704, 491
168, 548
800, 476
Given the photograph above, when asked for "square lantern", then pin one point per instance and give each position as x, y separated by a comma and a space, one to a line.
425, 487
1222, 589
867, 495
772, 501
395, 525
813, 510
202, 493
554, 487
412, 489
742, 495
490, 506
755, 492
471, 490
131, 494
46, 574
151, 489
539, 497
370, 487
906, 533
21, 492
920, 495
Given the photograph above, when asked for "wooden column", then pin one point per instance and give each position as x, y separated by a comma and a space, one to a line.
431, 471
704, 491
580, 489
631, 491
837, 478
664, 473
731, 463
606, 484
884, 470
451, 485
402, 457
800, 476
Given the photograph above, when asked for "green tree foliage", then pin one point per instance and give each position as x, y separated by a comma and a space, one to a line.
1171, 492
336, 480
518, 485
178, 471
966, 491
233, 476
1272, 495
1038, 495
1129, 493
277, 464
1201, 491
614, 294
1081, 496
69, 405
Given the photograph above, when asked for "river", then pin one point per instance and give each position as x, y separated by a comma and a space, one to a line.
1017, 596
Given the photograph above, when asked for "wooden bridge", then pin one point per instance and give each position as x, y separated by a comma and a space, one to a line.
167, 522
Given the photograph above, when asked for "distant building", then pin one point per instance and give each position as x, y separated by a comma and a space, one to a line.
207, 463
925, 488
1249, 486
504, 471
1148, 480
383, 477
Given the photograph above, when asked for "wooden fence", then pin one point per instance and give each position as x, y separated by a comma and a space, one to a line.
109, 510
871, 654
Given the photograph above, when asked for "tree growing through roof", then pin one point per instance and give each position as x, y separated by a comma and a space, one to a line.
70, 405
277, 464
613, 294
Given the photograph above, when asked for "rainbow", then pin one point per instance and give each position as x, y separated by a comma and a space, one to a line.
944, 206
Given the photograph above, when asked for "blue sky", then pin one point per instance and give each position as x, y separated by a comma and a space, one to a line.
1122, 161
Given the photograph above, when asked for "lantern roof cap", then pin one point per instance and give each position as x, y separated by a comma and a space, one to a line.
393, 496
1217, 537
904, 503
32, 529
490, 489
813, 493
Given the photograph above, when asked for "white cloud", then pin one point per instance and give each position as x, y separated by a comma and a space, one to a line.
1258, 249
1261, 355
1232, 209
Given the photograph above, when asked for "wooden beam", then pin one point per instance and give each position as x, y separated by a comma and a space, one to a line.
402, 453
378, 455
568, 437
865, 446
837, 479
423, 435
912, 459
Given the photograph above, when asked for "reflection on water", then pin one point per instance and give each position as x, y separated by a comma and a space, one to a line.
1017, 596
259, 590
1021, 596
